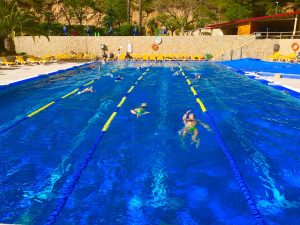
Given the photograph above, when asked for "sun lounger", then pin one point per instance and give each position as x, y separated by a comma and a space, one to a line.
160, 57
152, 57
122, 56
7, 61
136, 57
20, 60
36, 60
49, 58
180, 57
187, 57
291, 57
275, 57
145, 57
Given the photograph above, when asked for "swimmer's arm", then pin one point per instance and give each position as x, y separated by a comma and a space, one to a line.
204, 125
145, 113
185, 115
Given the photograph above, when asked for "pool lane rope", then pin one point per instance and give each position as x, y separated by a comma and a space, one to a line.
69, 188
31, 114
241, 183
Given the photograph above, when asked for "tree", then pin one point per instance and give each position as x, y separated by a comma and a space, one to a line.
148, 7
128, 11
296, 5
16, 21
152, 26
115, 12
183, 12
110, 15
140, 16
79, 8
169, 22
236, 11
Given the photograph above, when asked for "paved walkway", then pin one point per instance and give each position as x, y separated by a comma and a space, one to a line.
9, 75
293, 84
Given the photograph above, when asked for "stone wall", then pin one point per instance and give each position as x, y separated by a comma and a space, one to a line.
221, 47
170, 44
285, 45
259, 48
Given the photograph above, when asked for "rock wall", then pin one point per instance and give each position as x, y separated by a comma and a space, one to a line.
142, 45
221, 47
259, 48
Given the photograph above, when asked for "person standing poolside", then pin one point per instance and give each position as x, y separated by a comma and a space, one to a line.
140, 110
128, 56
118, 53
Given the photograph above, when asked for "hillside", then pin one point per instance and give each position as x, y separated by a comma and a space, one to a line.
114, 12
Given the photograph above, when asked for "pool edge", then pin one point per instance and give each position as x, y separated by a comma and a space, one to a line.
44, 75
264, 80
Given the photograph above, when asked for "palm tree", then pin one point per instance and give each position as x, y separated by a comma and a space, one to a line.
140, 16
128, 11
16, 21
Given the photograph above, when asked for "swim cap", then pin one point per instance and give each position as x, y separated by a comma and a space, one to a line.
190, 113
144, 104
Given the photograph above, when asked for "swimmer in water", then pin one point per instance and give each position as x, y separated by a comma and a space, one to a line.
176, 73
92, 66
197, 76
139, 68
90, 89
140, 110
190, 123
285, 92
119, 78
109, 75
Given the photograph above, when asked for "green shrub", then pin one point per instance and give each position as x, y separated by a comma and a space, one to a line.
125, 29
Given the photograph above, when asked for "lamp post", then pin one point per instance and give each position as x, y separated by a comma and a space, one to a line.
276, 7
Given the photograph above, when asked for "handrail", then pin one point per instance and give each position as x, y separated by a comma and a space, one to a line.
274, 32
276, 35
252, 38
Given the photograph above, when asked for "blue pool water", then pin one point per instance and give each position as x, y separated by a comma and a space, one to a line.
143, 172
264, 67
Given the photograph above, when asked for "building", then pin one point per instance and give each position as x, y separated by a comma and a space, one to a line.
278, 24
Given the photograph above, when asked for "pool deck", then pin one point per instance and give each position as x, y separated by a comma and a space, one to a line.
293, 84
10, 75
289, 83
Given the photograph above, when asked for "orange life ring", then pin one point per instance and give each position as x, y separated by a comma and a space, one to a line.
155, 47
295, 46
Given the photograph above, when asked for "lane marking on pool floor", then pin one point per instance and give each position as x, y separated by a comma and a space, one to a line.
69, 188
46, 106
241, 183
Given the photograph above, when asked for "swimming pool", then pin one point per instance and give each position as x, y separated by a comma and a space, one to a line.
265, 68
143, 172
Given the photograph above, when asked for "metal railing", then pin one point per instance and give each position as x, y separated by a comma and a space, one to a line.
277, 35
228, 54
